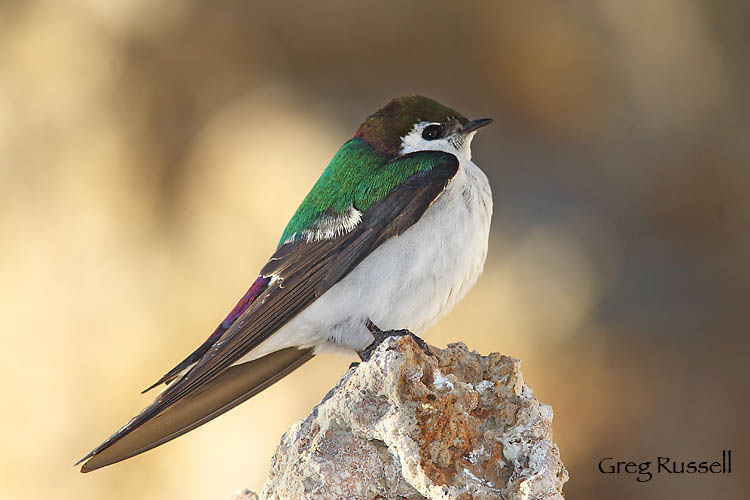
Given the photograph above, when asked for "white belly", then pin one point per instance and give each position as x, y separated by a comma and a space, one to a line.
410, 281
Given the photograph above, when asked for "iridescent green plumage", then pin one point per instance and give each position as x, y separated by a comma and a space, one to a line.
367, 168
357, 177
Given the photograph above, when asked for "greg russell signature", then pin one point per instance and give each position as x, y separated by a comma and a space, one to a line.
644, 471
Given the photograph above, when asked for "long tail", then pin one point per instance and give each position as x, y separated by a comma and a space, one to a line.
233, 386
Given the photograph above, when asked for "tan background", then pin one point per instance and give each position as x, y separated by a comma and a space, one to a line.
151, 153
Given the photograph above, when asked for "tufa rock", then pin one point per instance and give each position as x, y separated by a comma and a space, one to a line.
244, 494
407, 425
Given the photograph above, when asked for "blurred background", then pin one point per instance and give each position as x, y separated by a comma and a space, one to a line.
152, 152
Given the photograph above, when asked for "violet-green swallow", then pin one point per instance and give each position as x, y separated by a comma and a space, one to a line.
391, 236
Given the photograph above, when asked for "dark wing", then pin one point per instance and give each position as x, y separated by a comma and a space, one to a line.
233, 386
304, 270
258, 287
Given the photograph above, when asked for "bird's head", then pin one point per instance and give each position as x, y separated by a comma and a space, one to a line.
417, 123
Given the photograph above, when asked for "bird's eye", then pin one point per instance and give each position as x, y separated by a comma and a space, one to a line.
431, 132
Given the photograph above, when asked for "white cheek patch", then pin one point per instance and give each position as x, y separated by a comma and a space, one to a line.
413, 141
455, 144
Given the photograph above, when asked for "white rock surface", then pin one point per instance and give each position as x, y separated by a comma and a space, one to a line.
405, 425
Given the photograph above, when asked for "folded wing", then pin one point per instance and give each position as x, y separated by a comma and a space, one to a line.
300, 271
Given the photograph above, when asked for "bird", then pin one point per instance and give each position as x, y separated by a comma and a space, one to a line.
391, 236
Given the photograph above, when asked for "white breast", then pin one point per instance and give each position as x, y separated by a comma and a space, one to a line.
410, 281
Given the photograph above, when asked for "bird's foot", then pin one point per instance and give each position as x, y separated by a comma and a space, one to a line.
381, 335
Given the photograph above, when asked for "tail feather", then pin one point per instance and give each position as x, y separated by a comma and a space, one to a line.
235, 385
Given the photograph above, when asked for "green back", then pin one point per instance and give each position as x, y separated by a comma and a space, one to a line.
357, 176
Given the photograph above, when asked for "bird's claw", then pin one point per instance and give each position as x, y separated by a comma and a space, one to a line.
381, 335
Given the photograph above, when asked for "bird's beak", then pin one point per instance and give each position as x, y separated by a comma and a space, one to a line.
475, 125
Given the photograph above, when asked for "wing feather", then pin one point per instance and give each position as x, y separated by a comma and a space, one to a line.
234, 386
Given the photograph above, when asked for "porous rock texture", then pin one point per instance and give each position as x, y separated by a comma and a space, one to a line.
407, 425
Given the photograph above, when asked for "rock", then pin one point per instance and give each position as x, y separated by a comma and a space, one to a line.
244, 494
405, 425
